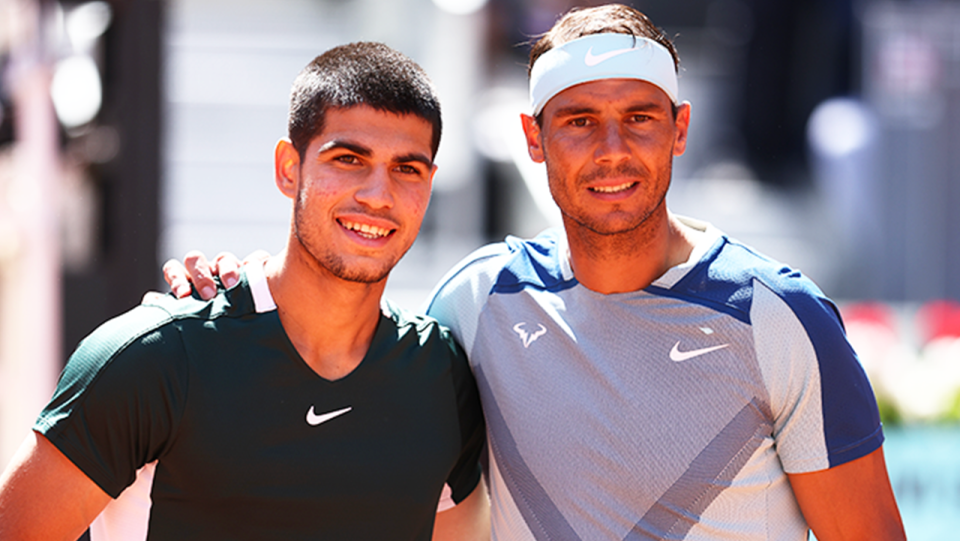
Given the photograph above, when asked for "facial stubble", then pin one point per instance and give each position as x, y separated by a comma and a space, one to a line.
599, 226
328, 259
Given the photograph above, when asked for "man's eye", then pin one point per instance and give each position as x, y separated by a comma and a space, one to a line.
408, 169
578, 122
641, 118
347, 158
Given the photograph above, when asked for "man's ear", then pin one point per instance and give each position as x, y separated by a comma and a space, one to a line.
433, 173
683, 124
532, 132
286, 166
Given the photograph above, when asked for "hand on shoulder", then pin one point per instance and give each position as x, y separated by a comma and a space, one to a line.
196, 271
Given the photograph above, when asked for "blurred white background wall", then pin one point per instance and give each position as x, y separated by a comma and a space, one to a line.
229, 67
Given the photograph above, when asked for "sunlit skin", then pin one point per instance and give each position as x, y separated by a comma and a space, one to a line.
609, 148
362, 189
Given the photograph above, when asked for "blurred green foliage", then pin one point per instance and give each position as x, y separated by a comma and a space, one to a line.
889, 412
953, 412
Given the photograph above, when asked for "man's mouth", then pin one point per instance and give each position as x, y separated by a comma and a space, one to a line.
613, 189
367, 231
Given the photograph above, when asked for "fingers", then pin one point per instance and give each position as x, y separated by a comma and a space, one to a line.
227, 266
200, 274
176, 276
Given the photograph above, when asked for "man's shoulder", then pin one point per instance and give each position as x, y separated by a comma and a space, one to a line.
405, 320
502, 267
512, 264
117, 358
135, 344
741, 263
727, 274
140, 328
425, 328
234, 302
120, 332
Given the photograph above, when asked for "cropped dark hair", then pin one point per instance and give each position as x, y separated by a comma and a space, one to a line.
606, 19
362, 73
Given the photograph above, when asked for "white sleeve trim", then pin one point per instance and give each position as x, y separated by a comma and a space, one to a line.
710, 236
262, 299
446, 499
127, 517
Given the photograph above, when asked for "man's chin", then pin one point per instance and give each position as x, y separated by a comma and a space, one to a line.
363, 278
358, 272
608, 227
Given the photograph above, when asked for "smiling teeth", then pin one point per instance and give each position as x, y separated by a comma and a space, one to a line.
612, 189
367, 231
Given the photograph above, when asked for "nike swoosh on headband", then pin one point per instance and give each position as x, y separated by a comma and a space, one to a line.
575, 63
592, 60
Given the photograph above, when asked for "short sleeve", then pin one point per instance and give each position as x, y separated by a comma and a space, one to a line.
465, 474
825, 413
119, 397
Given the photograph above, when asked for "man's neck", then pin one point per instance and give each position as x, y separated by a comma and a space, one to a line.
633, 260
330, 321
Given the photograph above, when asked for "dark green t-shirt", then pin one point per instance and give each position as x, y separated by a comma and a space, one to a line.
249, 442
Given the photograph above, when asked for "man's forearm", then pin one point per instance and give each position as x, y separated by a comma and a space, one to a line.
852, 501
44, 496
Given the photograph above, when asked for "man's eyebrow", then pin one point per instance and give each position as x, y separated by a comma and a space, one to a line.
646, 106
574, 110
640, 106
366, 152
414, 157
346, 145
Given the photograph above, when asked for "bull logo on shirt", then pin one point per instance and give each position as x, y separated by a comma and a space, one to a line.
528, 338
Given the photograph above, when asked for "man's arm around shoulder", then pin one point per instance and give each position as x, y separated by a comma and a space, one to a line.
851, 501
44, 496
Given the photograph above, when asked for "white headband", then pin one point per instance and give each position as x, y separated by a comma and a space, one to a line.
601, 56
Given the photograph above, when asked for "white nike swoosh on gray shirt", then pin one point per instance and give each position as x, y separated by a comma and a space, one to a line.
679, 356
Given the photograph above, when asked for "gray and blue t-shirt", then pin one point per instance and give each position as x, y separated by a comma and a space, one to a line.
673, 412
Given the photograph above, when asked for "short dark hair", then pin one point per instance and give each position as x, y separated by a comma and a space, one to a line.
361, 73
605, 19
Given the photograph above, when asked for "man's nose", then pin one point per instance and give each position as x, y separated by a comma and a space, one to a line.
376, 190
612, 147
